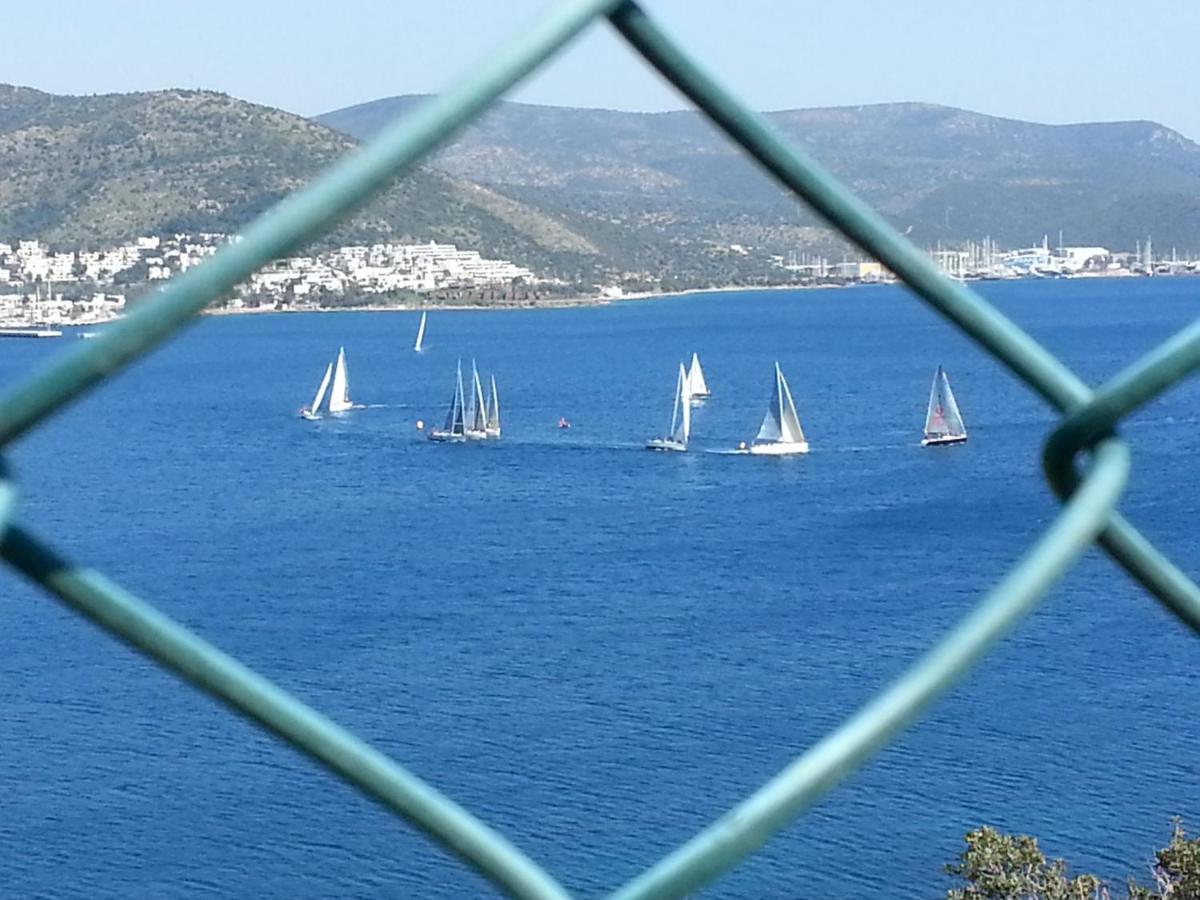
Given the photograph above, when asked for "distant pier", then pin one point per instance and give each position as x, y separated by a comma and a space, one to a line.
29, 333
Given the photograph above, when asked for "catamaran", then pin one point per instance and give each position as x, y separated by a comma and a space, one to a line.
681, 419
339, 392
697, 387
493, 412
313, 412
780, 433
420, 332
477, 414
455, 428
943, 421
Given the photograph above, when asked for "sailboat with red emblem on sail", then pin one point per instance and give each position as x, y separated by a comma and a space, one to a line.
943, 421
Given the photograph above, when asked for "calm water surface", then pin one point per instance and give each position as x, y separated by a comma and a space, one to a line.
596, 649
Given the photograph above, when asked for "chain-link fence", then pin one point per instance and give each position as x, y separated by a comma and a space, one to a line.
1088, 512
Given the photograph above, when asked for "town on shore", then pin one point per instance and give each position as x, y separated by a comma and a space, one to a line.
41, 287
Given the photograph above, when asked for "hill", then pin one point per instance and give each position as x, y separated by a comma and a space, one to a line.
655, 200
945, 174
94, 171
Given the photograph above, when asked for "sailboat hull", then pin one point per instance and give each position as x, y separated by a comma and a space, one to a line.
493, 432
947, 439
780, 448
309, 415
666, 444
475, 435
447, 437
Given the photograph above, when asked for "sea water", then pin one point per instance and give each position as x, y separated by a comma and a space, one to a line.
596, 649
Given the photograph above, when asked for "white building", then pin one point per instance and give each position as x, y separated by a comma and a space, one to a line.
1076, 259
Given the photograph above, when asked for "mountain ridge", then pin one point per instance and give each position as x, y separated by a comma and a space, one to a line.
97, 170
942, 172
648, 200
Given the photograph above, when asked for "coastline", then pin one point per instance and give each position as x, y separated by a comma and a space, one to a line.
555, 303
558, 303
600, 300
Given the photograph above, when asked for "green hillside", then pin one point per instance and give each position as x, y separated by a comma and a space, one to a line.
95, 171
941, 173
654, 200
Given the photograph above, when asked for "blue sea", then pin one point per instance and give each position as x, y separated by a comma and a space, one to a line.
596, 649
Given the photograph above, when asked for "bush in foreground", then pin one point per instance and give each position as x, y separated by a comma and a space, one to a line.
998, 866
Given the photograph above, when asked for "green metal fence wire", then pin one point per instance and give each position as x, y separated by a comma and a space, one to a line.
1086, 436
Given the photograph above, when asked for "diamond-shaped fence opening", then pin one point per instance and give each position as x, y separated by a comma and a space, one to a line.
1088, 514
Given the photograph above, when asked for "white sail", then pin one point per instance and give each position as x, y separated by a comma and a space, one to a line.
459, 425
789, 421
697, 386
420, 332
681, 418
477, 414
772, 424
942, 418
339, 395
953, 417
681, 430
316, 404
454, 418
768, 431
493, 412
454, 429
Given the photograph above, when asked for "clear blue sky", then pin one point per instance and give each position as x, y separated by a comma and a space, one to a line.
1060, 61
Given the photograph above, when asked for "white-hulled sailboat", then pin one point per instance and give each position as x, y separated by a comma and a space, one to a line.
681, 419
476, 420
420, 332
697, 387
943, 421
780, 433
455, 428
339, 391
313, 412
493, 412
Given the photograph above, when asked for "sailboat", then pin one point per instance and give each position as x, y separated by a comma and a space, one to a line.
493, 412
697, 386
420, 332
476, 420
455, 428
681, 419
943, 421
313, 412
339, 392
780, 433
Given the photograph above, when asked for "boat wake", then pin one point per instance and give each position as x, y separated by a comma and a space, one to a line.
875, 448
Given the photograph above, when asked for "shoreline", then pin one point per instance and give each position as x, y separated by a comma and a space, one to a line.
566, 303
594, 301
556, 303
